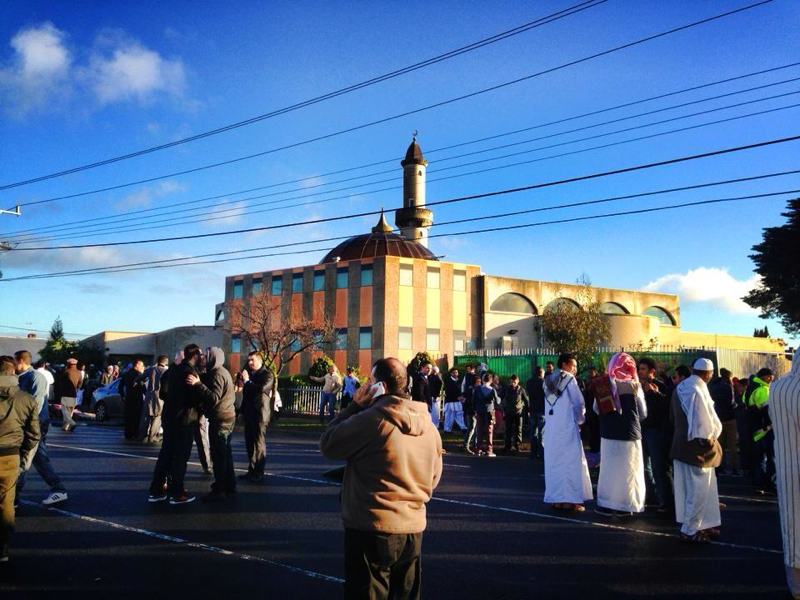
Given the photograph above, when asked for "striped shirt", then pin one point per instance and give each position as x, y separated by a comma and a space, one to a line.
784, 409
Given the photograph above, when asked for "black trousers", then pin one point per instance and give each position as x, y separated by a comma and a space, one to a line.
513, 430
176, 447
219, 438
380, 565
133, 414
255, 439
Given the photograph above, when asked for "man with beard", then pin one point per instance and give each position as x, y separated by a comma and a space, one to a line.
256, 411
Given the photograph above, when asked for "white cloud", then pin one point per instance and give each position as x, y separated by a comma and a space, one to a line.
42, 75
38, 70
227, 213
144, 197
712, 285
122, 69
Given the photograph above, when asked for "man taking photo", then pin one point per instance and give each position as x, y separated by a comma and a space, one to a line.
394, 462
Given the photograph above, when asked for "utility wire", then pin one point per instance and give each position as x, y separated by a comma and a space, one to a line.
413, 111
83, 225
227, 213
575, 9
591, 176
437, 224
625, 213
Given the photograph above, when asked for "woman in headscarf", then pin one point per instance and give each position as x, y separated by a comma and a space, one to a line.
621, 487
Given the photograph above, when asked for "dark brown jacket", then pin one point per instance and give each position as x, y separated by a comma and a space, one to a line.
19, 420
696, 452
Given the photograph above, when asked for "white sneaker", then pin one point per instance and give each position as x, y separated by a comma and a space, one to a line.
491, 454
54, 498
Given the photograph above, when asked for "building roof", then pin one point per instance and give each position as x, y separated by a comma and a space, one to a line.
380, 242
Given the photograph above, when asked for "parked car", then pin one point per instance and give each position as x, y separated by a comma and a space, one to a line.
106, 402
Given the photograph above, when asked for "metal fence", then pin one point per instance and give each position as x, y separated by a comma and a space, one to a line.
303, 400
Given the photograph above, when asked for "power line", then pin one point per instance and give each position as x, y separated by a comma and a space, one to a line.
575, 9
439, 202
410, 112
100, 270
475, 232
427, 152
140, 223
38, 330
483, 170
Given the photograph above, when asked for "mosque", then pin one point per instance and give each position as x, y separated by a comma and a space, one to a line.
388, 294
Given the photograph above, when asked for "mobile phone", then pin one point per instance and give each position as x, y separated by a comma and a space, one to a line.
378, 389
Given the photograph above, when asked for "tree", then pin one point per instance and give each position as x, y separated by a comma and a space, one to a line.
57, 349
576, 324
420, 359
761, 332
321, 366
261, 326
776, 262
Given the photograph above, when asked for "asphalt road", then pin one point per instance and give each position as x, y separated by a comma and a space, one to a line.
489, 535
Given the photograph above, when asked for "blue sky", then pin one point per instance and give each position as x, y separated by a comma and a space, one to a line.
85, 81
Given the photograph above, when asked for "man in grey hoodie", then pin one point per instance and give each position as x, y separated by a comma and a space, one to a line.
19, 436
216, 391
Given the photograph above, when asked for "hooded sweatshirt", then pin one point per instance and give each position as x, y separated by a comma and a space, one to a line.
216, 390
394, 462
19, 420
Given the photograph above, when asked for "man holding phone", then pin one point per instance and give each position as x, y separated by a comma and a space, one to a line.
394, 462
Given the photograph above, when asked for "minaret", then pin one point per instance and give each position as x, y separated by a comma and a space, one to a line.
414, 219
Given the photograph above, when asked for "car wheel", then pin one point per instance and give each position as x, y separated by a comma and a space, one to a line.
101, 411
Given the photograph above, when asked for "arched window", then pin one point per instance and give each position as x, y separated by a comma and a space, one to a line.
562, 304
220, 315
512, 302
612, 308
660, 314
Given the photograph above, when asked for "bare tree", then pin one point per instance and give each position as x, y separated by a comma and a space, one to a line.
261, 326
576, 323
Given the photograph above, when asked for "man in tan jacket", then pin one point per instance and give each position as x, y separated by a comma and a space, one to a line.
394, 462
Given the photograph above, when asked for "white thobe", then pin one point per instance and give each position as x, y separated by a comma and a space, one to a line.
566, 474
621, 484
696, 497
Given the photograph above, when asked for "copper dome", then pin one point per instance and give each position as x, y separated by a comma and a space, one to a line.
381, 242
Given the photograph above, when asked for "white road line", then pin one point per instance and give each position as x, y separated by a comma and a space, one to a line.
472, 504
746, 499
198, 545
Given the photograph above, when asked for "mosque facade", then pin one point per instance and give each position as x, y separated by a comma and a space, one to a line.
387, 294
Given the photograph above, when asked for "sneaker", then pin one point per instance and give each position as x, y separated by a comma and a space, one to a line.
54, 498
159, 497
490, 455
182, 498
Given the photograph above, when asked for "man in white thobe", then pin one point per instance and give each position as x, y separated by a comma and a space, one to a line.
696, 454
784, 411
566, 474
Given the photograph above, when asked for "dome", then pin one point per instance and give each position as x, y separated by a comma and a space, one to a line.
381, 242
414, 155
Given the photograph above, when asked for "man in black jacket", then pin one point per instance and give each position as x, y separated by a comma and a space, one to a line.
256, 411
131, 389
179, 419
215, 388
420, 388
721, 390
535, 388
515, 405
655, 443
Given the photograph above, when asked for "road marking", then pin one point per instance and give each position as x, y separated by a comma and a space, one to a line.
747, 499
465, 503
198, 545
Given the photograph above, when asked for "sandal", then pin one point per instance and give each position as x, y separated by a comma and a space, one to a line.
712, 532
578, 508
698, 538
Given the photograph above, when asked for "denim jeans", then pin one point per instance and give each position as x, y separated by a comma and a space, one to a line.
656, 463
219, 436
329, 400
176, 448
43, 466
537, 427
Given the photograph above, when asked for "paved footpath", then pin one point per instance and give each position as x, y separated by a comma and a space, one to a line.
489, 535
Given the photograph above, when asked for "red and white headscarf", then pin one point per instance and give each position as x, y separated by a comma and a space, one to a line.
621, 367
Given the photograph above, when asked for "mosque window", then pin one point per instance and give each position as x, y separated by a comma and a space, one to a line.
319, 281
365, 338
659, 313
612, 308
366, 275
512, 302
432, 339
433, 278
297, 283
277, 285
406, 275
341, 339
564, 304
404, 339
460, 281
341, 278
236, 344
257, 286
238, 290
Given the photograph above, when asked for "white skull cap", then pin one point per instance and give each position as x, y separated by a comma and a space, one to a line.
703, 364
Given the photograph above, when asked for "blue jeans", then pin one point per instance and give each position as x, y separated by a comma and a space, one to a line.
43, 466
656, 462
537, 427
329, 400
